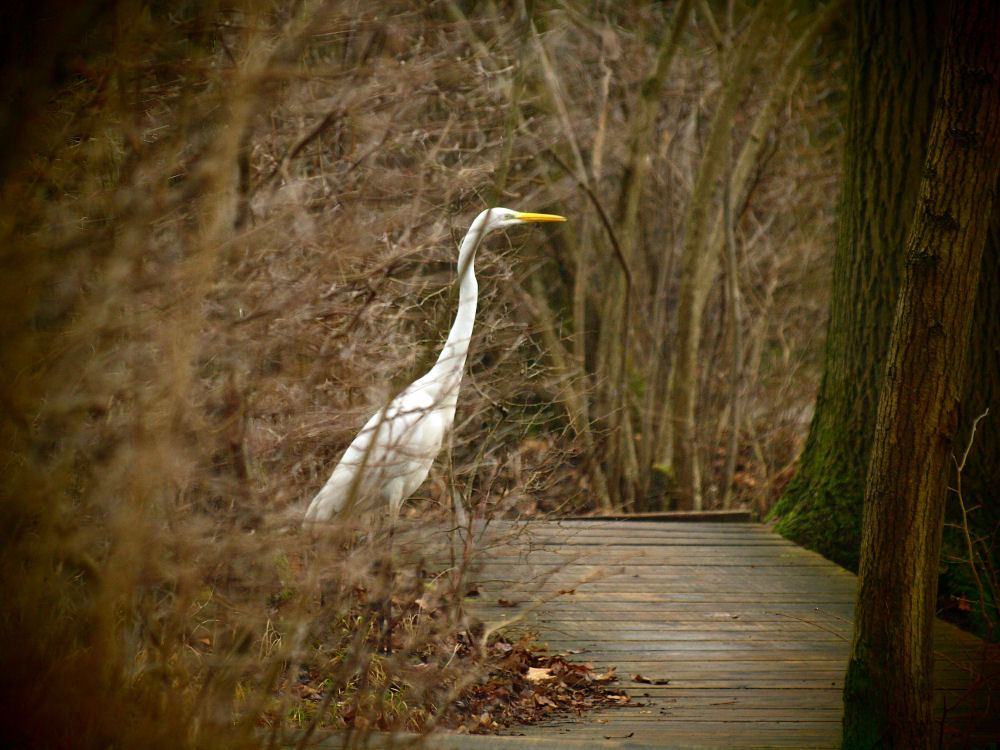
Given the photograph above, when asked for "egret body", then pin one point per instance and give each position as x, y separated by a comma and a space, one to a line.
392, 454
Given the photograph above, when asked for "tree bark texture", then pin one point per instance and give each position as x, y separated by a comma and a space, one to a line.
892, 78
887, 694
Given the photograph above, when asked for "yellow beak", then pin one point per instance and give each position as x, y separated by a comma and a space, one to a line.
523, 216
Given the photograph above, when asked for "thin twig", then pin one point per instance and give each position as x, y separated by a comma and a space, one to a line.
810, 622
605, 219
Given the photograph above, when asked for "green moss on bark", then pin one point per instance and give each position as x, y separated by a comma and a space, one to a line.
892, 79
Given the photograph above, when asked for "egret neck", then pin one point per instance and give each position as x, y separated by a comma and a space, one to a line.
450, 364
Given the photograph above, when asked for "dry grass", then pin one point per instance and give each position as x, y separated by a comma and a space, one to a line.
228, 232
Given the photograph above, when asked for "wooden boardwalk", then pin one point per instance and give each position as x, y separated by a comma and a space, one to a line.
725, 635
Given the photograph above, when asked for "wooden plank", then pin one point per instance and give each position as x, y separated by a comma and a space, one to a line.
727, 628
686, 516
637, 639
630, 591
612, 561
665, 733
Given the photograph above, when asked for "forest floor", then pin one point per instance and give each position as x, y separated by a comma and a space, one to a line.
696, 634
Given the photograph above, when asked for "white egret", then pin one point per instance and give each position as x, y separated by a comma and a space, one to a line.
393, 453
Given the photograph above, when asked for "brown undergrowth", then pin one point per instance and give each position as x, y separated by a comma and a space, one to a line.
339, 657
456, 681
227, 234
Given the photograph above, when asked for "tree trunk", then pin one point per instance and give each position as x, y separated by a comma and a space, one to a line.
641, 147
887, 692
698, 265
893, 75
642, 131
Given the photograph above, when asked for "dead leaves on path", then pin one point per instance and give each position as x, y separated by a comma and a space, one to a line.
525, 685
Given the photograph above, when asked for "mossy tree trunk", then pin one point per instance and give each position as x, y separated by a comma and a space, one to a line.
892, 77
887, 692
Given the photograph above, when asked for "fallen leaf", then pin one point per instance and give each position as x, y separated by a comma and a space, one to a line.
540, 674
544, 700
649, 681
608, 676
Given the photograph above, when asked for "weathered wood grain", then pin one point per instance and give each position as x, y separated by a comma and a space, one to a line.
747, 633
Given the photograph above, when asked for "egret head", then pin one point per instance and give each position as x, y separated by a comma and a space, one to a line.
498, 218
495, 218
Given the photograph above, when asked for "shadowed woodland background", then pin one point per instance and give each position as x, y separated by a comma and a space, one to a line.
229, 233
